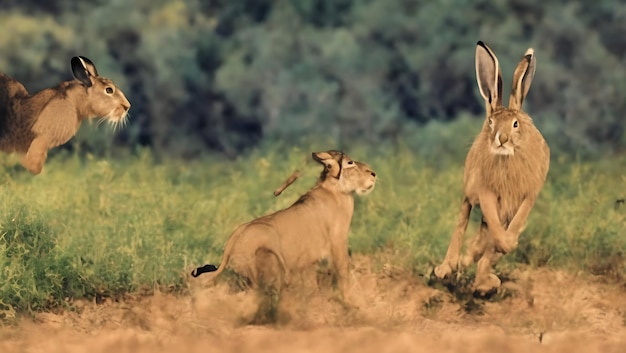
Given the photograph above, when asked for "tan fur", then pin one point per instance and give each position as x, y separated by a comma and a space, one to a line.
292, 178
505, 170
336, 155
33, 124
315, 227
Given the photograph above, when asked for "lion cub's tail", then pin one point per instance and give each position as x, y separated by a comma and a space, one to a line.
227, 251
203, 269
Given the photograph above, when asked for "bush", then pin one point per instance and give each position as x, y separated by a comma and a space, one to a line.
35, 275
225, 75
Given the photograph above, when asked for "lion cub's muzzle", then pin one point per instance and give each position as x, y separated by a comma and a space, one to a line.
370, 183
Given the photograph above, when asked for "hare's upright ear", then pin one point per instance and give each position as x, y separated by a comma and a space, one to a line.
83, 69
522, 78
489, 77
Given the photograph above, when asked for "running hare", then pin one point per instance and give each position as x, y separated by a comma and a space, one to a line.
33, 124
505, 169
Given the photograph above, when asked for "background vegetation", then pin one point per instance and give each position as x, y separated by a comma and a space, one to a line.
228, 97
223, 76
99, 228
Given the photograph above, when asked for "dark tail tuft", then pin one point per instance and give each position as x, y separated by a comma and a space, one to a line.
204, 269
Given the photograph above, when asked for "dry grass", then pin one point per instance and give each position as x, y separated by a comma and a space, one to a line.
98, 252
396, 312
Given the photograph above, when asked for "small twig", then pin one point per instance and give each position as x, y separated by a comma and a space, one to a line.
295, 175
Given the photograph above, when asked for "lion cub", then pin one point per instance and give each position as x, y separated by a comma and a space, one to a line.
314, 228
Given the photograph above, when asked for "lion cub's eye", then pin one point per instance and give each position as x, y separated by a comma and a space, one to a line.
109, 90
515, 124
490, 122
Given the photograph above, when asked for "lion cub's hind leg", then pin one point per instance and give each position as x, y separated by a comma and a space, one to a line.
268, 269
259, 239
268, 280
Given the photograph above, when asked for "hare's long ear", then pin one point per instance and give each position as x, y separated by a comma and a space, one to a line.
83, 69
522, 78
489, 77
89, 66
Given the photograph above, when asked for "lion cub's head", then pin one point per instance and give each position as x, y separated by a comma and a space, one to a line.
362, 178
349, 175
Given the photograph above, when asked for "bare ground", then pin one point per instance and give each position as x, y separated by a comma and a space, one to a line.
394, 311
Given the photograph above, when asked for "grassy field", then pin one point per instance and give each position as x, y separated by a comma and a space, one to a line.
89, 227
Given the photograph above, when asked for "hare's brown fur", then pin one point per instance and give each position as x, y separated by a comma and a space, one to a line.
505, 170
315, 227
33, 124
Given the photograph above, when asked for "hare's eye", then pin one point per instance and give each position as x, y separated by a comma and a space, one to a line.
515, 124
350, 162
109, 90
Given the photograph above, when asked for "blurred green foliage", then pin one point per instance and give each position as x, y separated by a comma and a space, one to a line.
218, 75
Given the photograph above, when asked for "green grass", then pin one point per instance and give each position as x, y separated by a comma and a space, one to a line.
96, 228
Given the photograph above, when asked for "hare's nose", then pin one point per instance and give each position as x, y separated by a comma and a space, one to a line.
502, 138
125, 104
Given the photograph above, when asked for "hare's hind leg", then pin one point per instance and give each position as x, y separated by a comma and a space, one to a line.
451, 261
485, 280
36, 155
478, 245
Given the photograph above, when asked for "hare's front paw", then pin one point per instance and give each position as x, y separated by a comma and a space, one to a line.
487, 283
444, 270
33, 164
505, 242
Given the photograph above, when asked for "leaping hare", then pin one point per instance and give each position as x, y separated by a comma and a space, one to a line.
505, 170
33, 124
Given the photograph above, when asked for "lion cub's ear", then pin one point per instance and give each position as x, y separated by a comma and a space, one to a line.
321, 157
332, 162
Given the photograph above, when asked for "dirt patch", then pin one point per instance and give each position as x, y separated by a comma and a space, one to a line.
390, 310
